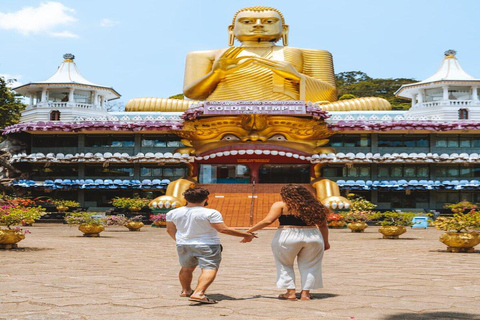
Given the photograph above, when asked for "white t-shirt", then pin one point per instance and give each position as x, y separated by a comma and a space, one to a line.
193, 225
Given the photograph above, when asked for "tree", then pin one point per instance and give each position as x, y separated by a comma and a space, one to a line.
10, 104
115, 106
359, 84
179, 96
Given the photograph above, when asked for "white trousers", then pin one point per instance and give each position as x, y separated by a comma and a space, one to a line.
305, 244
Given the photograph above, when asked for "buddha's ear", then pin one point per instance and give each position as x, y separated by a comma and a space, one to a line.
231, 36
285, 35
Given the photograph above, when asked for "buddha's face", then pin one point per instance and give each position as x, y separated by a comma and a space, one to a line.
258, 26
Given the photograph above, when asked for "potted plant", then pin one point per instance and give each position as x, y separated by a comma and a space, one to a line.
11, 217
393, 223
335, 220
461, 207
115, 220
460, 235
63, 205
90, 223
158, 220
131, 204
134, 223
359, 213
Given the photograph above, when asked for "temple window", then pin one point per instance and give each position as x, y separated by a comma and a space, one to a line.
403, 141
357, 171
463, 114
54, 141
457, 171
403, 171
399, 199
55, 115
435, 94
54, 170
350, 140
457, 141
164, 141
110, 171
459, 93
107, 141
170, 173
82, 96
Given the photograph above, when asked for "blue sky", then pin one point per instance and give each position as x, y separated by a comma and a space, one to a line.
139, 47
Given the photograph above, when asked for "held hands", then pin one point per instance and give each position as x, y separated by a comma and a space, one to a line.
249, 238
230, 62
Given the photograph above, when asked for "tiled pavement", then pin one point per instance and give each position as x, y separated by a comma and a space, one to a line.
58, 274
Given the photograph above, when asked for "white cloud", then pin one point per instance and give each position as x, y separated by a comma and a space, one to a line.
108, 23
40, 20
12, 81
64, 34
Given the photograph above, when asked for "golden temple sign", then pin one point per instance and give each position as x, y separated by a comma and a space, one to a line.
293, 107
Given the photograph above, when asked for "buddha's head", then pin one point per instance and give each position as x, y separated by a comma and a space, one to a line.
258, 24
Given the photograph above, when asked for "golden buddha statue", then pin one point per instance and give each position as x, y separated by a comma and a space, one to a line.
258, 69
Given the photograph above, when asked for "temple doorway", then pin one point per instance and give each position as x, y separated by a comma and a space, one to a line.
284, 173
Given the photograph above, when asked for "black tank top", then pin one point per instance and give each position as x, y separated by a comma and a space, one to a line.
291, 220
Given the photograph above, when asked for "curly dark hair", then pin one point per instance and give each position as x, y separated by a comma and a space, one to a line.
303, 204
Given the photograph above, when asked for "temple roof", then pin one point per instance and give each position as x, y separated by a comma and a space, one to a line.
68, 74
450, 69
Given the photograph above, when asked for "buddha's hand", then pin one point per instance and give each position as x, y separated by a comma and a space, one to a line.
229, 61
282, 68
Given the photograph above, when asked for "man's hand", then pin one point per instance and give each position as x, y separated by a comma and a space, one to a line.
248, 238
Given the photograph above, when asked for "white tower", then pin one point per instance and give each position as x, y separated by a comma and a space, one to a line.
450, 94
65, 96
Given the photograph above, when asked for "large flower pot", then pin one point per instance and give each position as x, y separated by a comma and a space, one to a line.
336, 224
134, 209
91, 230
358, 226
160, 224
134, 225
460, 241
62, 208
9, 238
392, 232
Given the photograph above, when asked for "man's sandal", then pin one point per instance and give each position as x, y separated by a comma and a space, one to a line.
204, 300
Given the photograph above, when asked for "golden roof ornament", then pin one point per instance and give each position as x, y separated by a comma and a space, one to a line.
68, 57
450, 54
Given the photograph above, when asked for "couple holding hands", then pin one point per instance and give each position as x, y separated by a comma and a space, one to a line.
302, 234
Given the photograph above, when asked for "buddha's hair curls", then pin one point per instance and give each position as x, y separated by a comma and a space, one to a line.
303, 204
258, 9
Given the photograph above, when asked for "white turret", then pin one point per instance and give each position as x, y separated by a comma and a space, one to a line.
450, 94
65, 96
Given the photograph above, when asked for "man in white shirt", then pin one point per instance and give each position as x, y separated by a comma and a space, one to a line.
195, 229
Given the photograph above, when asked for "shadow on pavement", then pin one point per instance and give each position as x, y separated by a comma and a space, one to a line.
30, 249
434, 316
220, 297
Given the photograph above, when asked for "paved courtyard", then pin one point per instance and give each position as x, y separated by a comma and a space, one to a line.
58, 274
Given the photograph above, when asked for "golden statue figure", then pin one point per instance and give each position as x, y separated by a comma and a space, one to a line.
259, 69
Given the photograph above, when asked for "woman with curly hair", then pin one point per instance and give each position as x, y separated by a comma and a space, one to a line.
302, 234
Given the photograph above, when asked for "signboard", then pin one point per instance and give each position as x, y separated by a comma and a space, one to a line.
254, 107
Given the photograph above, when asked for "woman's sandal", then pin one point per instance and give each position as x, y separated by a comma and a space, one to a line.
283, 297
205, 300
